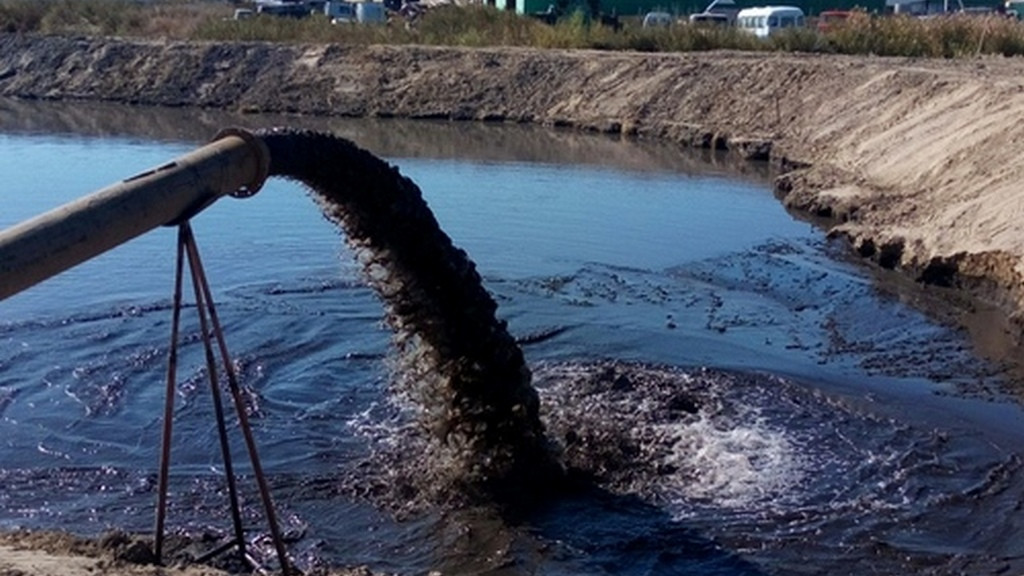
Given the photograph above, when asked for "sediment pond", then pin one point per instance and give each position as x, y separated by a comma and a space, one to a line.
779, 408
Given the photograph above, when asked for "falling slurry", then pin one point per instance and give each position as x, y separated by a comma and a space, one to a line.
456, 361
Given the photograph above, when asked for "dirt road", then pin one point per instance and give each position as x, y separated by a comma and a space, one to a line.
916, 160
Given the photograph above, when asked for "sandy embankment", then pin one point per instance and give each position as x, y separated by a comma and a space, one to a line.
50, 554
24, 553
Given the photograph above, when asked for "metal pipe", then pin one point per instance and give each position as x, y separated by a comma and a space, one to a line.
236, 163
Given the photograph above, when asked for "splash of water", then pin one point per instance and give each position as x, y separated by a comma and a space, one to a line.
456, 361
667, 434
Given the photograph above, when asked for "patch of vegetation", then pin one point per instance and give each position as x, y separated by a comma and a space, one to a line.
159, 19
951, 36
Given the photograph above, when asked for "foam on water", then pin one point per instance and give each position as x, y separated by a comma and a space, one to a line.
731, 467
676, 437
700, 439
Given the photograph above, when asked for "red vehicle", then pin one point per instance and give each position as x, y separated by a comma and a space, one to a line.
829, 19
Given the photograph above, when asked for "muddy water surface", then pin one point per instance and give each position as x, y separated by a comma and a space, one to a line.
746, 399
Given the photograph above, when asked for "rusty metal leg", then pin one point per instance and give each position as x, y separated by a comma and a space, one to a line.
243, 420
198, 280
172, 371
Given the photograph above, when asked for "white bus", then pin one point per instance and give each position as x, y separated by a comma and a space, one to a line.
767, 20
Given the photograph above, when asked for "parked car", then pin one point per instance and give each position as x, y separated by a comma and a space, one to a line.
765, 21
340, 12
371, 13
280, 8
709, 19
1014, 9
981, 11
363, 12
829, 19
727, 7
657, 20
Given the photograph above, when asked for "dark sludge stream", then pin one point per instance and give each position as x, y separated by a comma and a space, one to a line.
456, 360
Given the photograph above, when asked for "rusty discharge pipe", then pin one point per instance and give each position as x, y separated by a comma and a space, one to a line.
236, 163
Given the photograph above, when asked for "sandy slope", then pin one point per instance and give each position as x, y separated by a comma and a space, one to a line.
53, 554
15, 561
24, 553
927, 170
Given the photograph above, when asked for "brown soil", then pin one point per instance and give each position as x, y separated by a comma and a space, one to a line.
56, 554
24, 553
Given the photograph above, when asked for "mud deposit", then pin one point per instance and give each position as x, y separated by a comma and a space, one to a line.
727, 393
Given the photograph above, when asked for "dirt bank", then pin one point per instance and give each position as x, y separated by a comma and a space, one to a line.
916, 160
24, 553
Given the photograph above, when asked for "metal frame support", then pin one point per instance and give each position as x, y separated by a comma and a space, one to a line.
235, 163
209, 325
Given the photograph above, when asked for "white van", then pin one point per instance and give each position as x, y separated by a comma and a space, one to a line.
767, 20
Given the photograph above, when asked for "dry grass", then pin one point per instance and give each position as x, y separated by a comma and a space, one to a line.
951, 36
161, 19
941, 37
